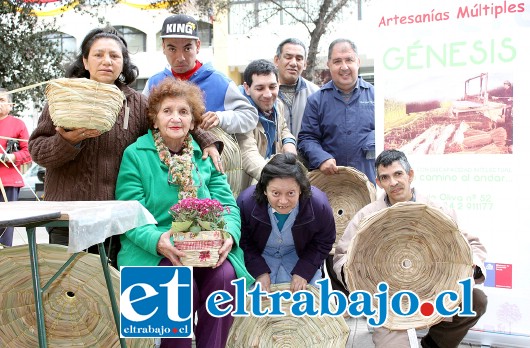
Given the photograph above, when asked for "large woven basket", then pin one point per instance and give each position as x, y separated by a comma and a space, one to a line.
77, 308
288, 331
83, 103
201, 248
348, 192
231, 160
411, 246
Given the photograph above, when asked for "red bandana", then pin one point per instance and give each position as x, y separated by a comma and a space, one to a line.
186, 76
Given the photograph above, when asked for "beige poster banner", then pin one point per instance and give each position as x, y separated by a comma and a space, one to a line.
452, 93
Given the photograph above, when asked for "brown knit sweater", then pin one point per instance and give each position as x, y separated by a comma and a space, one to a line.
88, 171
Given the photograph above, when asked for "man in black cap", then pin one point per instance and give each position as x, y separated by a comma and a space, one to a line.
226, 107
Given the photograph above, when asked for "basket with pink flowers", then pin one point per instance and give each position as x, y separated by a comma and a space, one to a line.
198, 230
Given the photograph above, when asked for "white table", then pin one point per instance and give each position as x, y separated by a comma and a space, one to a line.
89, 223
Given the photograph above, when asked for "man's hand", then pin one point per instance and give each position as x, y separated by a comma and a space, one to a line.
166, 248
265, 281
209, 120
75, 136
329, 167
289, 147
216, 157
298, 283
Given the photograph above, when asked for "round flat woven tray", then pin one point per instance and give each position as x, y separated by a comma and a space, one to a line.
288, 331
83, 103
413, 247
77, 309
231, 160
348, 192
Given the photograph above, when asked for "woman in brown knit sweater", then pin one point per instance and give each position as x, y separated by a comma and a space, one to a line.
82, 164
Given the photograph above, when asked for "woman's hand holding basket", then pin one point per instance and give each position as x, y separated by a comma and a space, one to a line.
166, 248
75, 136
224, 250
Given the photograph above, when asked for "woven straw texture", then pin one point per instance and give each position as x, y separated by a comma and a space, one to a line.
231, 160
201, 249
348, 192
288, 331
414, 247
77, 307
83, 103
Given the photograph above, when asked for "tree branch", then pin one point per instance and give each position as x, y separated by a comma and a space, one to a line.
286, 10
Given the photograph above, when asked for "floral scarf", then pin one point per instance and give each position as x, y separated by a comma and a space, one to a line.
180, 166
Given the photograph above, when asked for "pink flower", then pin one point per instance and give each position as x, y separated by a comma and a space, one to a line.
195, 209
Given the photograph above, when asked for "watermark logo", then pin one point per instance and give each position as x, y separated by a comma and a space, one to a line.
156, 302
375, 307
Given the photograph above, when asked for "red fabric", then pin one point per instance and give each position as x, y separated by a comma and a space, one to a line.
186, 76
199, 244
13, 127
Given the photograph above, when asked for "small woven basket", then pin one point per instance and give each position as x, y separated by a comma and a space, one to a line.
231, 160
413, 247
201, 248
288, 331
348, 192
83, 103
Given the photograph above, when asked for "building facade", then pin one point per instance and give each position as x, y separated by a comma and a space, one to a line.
230, 41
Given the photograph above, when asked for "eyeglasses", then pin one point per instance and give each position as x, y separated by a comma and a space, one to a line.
170, 181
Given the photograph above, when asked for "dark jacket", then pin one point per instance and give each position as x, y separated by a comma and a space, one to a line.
313, 232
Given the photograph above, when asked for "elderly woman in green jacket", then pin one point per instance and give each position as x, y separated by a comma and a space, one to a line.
161, 168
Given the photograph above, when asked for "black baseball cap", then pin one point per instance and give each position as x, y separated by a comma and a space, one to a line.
180, 26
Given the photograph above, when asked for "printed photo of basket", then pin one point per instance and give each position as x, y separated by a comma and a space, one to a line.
231, 160
288, 331
348, 192
201, 248
413, 247
83, 103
